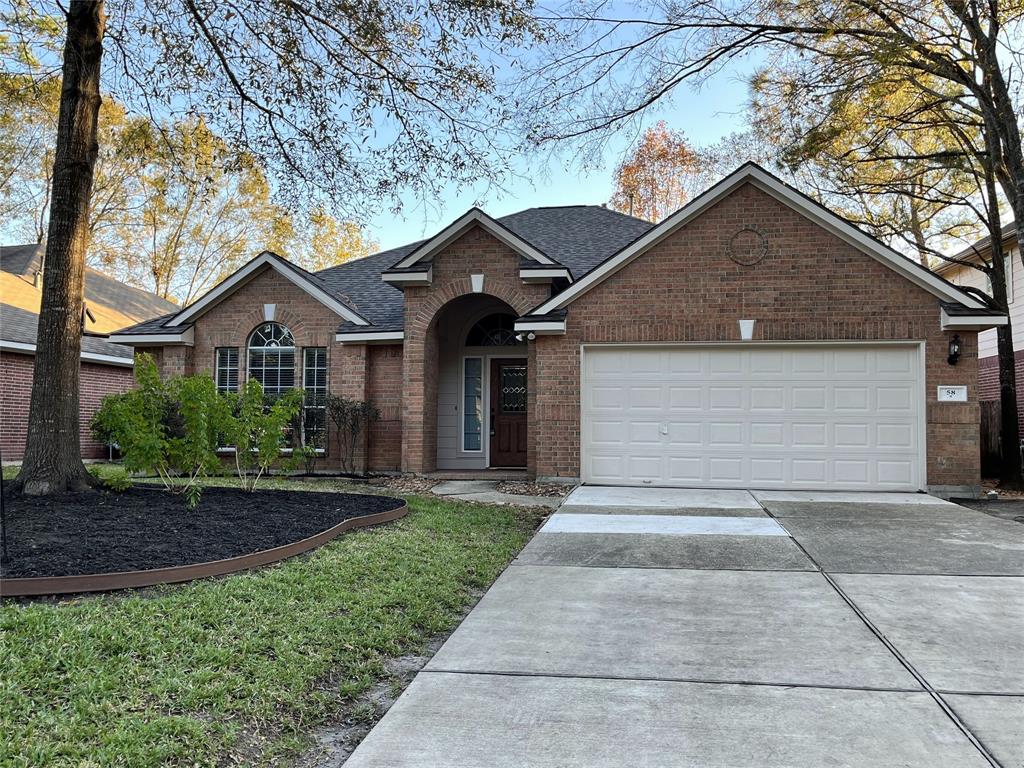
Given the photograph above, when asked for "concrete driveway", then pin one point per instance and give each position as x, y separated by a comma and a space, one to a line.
654, 627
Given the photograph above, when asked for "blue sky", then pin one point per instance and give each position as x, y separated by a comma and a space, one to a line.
705, 116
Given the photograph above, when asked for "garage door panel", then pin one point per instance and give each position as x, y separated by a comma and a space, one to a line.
784, 417
685, 398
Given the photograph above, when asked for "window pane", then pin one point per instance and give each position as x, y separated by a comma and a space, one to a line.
472, 404
513, 389
314, 384
226, 374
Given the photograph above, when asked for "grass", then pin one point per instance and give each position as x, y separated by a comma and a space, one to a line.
240, 670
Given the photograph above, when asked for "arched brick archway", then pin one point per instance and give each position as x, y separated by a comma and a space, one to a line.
422, 354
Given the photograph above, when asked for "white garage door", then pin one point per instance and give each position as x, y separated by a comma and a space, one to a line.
803, 417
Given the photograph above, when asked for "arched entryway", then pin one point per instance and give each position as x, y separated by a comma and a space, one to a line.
481, 386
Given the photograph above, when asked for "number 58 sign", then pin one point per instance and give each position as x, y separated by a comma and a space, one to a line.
949, 394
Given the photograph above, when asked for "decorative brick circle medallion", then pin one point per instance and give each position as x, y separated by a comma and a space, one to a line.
748, 246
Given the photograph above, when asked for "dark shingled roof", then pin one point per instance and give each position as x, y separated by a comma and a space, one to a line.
100, 289
19, 325
577, 236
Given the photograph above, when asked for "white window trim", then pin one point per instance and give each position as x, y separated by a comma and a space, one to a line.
483, 404
217, 367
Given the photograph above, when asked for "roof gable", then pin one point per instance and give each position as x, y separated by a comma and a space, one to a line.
473, 217
306, 281
751, 173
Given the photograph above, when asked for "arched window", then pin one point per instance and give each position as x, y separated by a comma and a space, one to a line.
497, 330
272, 358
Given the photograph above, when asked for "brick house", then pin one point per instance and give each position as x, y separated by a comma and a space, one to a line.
105, 368
966, 277
751, 339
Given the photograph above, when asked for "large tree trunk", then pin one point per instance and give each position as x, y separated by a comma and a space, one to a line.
53, 462
1010, 474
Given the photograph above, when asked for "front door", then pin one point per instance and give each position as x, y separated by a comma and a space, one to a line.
508, 412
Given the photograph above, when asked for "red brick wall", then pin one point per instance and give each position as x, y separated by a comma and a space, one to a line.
809, 286
230, 323
476, 252
385, 389
97, 381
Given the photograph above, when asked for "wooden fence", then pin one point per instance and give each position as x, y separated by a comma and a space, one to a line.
991, 455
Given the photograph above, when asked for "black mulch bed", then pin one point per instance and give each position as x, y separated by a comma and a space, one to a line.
145, 528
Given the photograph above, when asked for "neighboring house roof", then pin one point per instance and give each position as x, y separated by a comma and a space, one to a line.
979, 248
586, 243
19, 335
112, 302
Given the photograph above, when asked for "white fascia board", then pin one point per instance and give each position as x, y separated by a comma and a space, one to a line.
543, 275
541, 327
370, 337
185, 338
453, 231
774, 187
409, 278
89, 357
243, 275
971, 322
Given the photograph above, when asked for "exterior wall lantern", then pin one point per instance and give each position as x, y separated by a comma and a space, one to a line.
954, 350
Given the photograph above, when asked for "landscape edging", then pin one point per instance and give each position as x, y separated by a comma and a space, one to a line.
35, 586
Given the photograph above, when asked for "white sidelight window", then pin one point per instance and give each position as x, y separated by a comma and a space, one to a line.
472, 404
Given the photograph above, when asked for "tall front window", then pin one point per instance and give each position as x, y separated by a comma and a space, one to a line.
314, 409
272, 358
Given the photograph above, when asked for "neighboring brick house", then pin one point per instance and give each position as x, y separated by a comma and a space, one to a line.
106, 368
968, 277
752, 339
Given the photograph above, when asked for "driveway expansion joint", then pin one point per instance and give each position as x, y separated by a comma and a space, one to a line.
935, 695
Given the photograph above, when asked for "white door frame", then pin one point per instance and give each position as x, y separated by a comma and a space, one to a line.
922, 427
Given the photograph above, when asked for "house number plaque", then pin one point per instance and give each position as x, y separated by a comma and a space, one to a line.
949, 394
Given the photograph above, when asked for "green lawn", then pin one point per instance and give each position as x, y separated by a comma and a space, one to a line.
240, 670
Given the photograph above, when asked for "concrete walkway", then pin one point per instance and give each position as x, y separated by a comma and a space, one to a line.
486, 492
646, 627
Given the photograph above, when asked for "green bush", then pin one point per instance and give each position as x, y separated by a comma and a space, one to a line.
256, 427
117, 480
167, 428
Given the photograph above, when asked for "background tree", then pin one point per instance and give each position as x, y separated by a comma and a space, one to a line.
957, 61
656, 178
898, 155
344, 101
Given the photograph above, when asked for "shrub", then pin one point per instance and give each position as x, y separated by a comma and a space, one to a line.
256, 428
350, 418
169, 429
